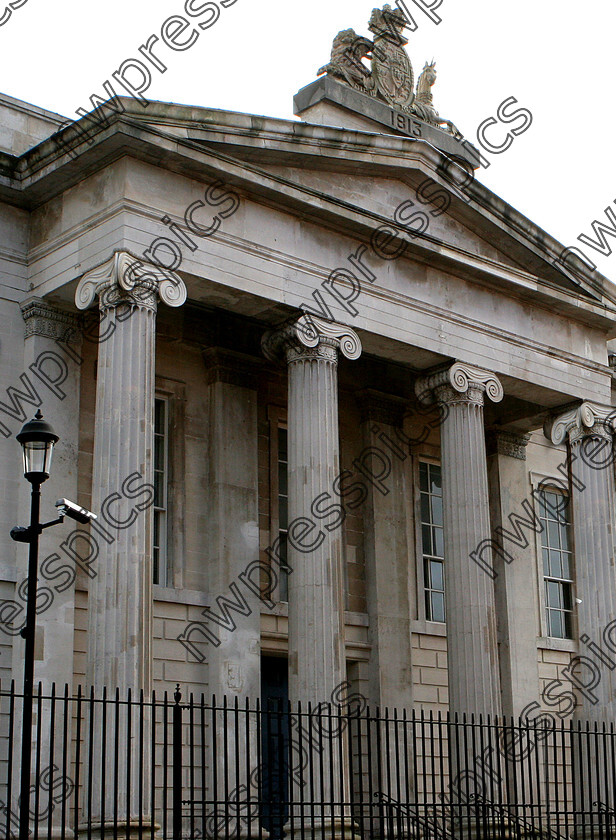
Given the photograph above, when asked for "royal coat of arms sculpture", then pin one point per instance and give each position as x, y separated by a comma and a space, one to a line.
391, 78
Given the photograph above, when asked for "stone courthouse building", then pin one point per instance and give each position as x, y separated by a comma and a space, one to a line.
345, 416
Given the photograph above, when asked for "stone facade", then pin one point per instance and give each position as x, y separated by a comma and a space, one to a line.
451, 350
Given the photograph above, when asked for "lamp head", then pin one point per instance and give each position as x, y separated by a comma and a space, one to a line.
37, 440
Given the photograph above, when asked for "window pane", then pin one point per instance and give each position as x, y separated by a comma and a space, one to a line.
567, 570
546, 561
555, 624
438, 606
423, 477
425, 507
282, 444
159, 416
437, 510
553, 539
283, 575
435, 479
282, 511
156, 569
438, 542
568, 634
566, 596
553, 593
555, 567
283, 479
564, 538
436, 575
426, 539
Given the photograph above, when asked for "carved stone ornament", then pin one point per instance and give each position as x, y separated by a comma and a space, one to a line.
511, 444
125, 278
391, 78
45, 320
307, 332
391, 66
461, 378
578, 422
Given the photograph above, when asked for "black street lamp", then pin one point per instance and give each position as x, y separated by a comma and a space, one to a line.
37, 440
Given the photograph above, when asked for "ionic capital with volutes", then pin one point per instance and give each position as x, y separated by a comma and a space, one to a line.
585, 420
308, 337
459, 383
125, 279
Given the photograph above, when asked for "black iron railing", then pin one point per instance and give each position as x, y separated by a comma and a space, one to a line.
176, 767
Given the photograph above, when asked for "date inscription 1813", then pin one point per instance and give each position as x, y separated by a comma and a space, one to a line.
405, 123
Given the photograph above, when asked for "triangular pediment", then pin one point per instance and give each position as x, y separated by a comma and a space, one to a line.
347, 180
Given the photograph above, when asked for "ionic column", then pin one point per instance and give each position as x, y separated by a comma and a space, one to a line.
316, 601
120, 593
590, 433
474, 685
316, 644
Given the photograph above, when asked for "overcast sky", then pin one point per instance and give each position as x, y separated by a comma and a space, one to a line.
554, 56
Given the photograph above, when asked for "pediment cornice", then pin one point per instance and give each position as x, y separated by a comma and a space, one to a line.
46, 171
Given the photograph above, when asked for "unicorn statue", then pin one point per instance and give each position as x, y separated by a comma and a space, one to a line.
422, 105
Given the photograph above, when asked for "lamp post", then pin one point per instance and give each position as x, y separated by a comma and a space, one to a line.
37, 439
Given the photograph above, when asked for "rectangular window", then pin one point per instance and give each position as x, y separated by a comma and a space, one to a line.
431, 501
283, 511
161, 476
557, 560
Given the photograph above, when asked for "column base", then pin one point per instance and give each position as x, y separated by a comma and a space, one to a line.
326, 829
474, 828
124, 829
595, 832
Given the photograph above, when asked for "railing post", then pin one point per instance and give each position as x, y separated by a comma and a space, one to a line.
176, 759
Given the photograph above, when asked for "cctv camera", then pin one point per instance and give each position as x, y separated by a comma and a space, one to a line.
70, 509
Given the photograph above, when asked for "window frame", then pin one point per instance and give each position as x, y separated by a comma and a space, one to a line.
163, 549
547, 578
277, 419
552, 483
419, 552
174, 394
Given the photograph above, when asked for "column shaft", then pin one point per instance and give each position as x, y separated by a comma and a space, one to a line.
474, 685
120, 598
316, 658
590, 429
470, 610
316, 599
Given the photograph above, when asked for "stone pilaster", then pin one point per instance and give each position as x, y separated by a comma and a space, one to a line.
51, 360
120, 594
52, 347
231, 550
516, 581
310, 347
474, 685
387, 553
